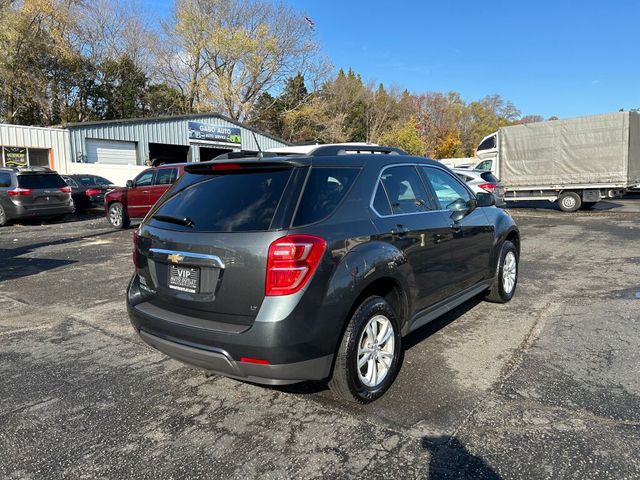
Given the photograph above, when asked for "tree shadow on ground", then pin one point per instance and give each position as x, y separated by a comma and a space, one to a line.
12, 266
449, 459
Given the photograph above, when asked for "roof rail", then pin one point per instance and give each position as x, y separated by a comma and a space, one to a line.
327, 150
319, 151
246, 154
28, 169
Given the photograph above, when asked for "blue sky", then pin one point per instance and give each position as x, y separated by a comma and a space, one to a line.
563, 58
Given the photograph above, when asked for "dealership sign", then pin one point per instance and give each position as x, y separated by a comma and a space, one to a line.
214, 134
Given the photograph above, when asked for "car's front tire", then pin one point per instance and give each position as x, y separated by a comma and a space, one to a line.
369, 355
506, 278
117, 216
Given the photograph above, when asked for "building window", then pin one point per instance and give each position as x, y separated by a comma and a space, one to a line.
23, 157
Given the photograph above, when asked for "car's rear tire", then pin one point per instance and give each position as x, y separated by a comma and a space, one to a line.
117, 216
506, 278
569, 201
370, 353
4, 220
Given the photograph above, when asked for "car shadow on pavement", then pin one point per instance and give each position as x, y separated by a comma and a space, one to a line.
424, 332
410, 341
449, 459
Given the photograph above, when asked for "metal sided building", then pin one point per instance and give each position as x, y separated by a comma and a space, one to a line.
22, 146
120, 149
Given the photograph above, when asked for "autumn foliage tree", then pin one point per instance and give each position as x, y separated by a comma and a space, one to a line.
254, 60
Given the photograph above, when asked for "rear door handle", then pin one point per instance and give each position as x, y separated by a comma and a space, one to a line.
399, 230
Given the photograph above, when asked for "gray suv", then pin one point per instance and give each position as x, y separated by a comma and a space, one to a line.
314, 267
33, 192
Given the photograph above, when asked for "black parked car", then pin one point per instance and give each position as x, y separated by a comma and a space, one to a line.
33, 192
280, 270
88, 190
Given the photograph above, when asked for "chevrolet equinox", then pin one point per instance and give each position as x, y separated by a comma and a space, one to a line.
276, 270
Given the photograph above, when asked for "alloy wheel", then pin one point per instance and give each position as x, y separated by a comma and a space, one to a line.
509, 272
376, 350
115, 215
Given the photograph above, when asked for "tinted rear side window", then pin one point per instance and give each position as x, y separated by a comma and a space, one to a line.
5, 180
166, 176
39, 181
235, 202
90, 180
489, 177
325, 188
381, 202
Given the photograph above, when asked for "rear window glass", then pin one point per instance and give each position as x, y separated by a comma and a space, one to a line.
325, 188
90, 180
227, 203
489, 177
38, 181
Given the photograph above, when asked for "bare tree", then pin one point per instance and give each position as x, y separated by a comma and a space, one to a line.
222, 54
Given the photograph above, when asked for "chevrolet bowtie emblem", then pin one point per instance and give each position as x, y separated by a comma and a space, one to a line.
175, 258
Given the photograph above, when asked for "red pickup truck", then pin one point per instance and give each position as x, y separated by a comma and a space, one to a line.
136, 199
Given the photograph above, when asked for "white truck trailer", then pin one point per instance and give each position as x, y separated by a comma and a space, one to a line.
576, 162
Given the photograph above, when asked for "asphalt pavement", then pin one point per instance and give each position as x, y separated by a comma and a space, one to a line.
547, 386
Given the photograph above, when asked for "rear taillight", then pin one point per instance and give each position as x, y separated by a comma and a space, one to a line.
19, 191
135, 248
291, 262
93, 191
489, 187
225, 167
65, 189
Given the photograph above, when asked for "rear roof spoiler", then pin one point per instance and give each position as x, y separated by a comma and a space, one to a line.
241, 165
320, 151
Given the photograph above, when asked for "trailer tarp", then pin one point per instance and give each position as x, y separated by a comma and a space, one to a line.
599, 149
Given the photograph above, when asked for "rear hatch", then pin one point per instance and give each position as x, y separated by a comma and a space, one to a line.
202, 251
492, 184
42, 190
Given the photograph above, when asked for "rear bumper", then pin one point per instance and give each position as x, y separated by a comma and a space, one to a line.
19, 211
221, 362
295, 350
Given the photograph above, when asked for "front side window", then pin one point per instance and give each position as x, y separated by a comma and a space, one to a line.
325, 188
166, 176
449, 191
144, 179
405, 190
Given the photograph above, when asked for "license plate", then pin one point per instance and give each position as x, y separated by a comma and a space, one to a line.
184, 279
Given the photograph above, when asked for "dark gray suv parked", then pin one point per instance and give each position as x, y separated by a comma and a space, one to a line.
280, 270
29, 192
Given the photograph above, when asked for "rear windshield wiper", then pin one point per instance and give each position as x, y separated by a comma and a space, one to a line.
186, 221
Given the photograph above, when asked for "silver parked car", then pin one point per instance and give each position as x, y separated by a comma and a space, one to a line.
482, 181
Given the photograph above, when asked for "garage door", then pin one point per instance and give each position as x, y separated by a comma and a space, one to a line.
113, 152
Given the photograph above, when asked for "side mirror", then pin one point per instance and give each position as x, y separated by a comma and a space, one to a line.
485, 199
461, 209
129, 183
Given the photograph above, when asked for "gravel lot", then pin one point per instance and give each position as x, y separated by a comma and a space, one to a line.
547, 386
